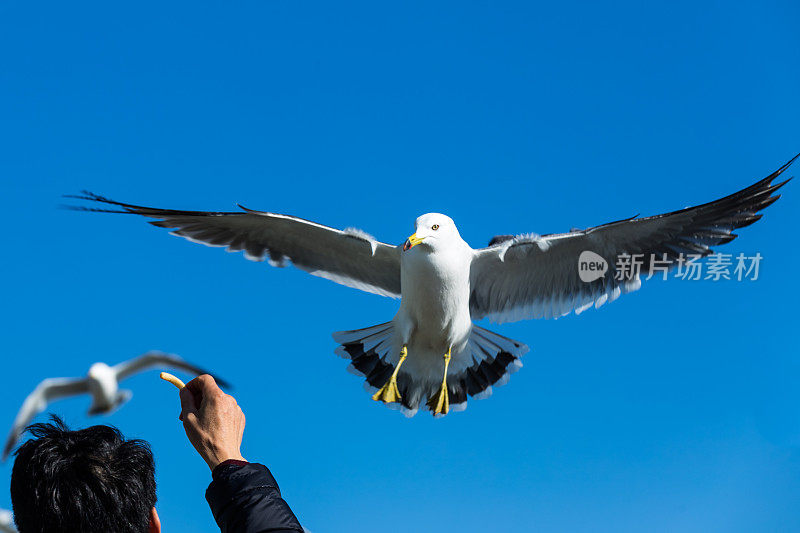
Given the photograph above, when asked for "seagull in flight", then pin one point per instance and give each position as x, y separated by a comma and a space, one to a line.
7, 522
431, 354
101, 382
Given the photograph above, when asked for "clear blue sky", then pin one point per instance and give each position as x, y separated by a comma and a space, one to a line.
676, 408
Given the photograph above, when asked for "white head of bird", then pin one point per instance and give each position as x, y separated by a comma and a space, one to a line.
434, 231
104, 388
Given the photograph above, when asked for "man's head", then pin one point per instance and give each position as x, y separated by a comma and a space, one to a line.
90, 480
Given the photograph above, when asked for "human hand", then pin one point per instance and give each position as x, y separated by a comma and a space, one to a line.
213, 421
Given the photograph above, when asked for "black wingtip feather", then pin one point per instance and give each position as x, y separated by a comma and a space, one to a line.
133, 209
781, 184
786, 165
766, 202
89, 196
749, 221
93, 209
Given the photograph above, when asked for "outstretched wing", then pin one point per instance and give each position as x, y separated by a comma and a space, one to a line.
36, 402
349, 257
524, 277
156, 359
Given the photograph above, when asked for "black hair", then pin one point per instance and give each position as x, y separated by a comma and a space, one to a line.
86, 481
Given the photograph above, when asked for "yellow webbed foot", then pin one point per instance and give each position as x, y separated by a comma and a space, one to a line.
388, 393
439, 403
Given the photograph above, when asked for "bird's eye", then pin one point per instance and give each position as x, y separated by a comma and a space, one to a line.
435, 227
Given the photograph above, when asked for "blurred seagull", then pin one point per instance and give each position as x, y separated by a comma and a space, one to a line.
102, 382
431, 354
7, 522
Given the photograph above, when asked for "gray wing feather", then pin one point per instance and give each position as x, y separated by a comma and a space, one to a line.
537, 277
157, 359
47, 391
349, 257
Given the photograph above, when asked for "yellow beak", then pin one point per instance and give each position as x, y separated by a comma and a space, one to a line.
412, 241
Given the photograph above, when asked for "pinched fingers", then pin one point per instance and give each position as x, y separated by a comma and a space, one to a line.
203, 385
191, 424
189, 402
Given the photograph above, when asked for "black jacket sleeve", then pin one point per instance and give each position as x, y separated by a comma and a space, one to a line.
244, 498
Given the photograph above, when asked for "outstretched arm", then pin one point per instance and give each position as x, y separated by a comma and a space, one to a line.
244, 497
